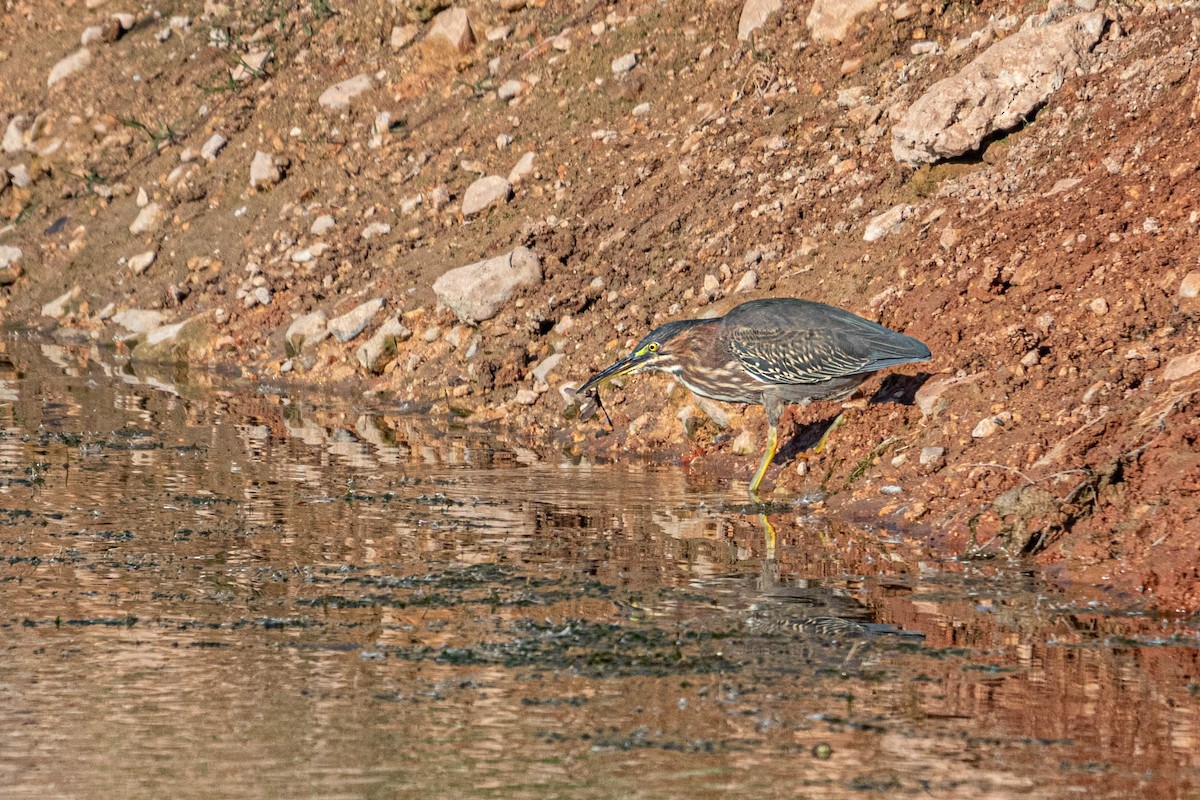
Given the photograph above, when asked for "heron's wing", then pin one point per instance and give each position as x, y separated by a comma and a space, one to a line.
797, 356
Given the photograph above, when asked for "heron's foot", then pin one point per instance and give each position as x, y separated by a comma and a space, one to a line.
837, 423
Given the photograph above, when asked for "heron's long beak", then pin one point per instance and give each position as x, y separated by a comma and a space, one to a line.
628, 364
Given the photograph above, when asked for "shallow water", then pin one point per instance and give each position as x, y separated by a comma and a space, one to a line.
210, 588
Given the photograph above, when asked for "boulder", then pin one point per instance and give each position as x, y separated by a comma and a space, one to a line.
477, 291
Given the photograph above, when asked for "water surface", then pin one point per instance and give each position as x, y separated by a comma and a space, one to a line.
212, 589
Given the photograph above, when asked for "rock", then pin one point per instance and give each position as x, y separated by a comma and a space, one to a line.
211, 148
477, 291
498, 34
10, 270
641, 109
261, 295
510, 89
541, 373
182, 342
138, 320
744, 444
403, 35
20, 176
995, 92
1189, 287
338, 96
379, 349
141, 262
306, 331
264, 171
14, 136
624, 63
1181, 367
754, 14
376, 229
1098, 306
830, 20
748, 283
251, 66
351, 324
526, 397
930, 397
481, 194
322, 225
522, 169
933, 457
147, 219
57, 307
453, 26
890, 221
76, 62
990, 426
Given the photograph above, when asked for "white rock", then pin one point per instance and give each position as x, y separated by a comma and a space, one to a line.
9, 255
1181, 367
264, 172
541, 373
322, 225
354, 322
491, 190
509, 89
91, 35
527, 397
213, 147
624, 63
262, 295
477, 292
141, 262
338, 96
522, 169
831, 20
990, 426
57, 307
14, 136
19, 173
403, 35
376, 229
143, 199
147, 220
498, 33
453, 26
76, 62
890, 221
932, 456
995, 92
378, 350
641, 109
748, 283
138, 320
754, 14
1189, 287
306, 332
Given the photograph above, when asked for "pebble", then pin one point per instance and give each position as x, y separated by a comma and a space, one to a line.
141, 262
14, 136
510, 89
376, 229
485, 192
477, 292
990, 426
211, 148
754, 15
19, 173
139, 320
9, 255
453, 26
322, 225
264, 172
641, 109
403, 35
306, 331
932, 456
1099, 306
338, 96
624, 63
147, 219
57, 307
541, 373
1181, 367
526, 397
499, 33
890, 221
354, 322
262, 295
1189, 288
522, 169
743, 444
748, 283
377, 352
72, 64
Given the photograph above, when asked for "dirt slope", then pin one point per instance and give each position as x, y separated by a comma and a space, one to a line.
1044, 272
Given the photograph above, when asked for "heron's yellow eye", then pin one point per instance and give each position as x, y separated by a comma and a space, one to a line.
652, 347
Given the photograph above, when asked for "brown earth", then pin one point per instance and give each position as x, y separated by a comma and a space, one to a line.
1057, 305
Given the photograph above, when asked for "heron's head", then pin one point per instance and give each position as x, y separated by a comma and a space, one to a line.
662, 349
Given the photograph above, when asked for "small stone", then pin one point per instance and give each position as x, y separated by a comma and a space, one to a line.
477, 292
522, 169
139, 320
72, 64
262, 295
376, 229
990, 426
624, 63
10, 270
641, 109
949, 237
322, 225
1181, 367
527, 397
453, 26
510, 89
1099, 306
438, 198
748, 283
485, 192
403, 35
831, 20
712, 286
147, 219
755, 13
20, 176
375, 354
541, 373
306, 331
141, 262
498, 33
743, 444
251, 66
351, 324
14, 136
211, 148
890, 221
264, 172
930, 398
933, 457
338, 96
57, 307
142, 199
1189, 288
1032, 358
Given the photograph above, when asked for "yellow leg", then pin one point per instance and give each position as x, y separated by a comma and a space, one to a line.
768, 535
768, 457
837, 423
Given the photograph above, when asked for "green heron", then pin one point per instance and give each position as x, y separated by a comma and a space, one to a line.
772, 353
